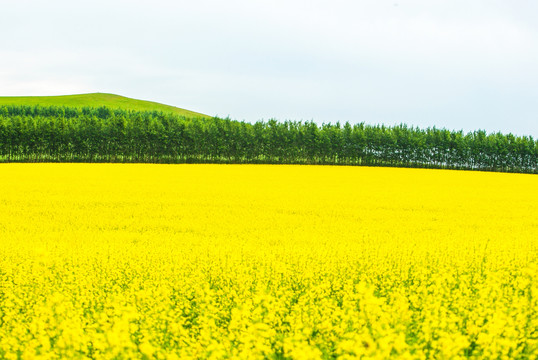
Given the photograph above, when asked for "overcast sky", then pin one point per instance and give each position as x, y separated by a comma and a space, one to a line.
453, 64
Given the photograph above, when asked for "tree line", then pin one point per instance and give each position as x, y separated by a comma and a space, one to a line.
64, 134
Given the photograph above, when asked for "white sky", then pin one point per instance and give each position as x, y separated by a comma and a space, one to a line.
454, 64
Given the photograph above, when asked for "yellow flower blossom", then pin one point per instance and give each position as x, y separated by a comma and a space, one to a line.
116, 261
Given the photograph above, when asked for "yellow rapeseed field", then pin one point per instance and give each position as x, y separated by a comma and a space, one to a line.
111, 261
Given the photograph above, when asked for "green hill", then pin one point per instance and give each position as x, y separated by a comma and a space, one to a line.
97, 100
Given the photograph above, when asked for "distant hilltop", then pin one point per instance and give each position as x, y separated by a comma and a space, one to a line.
97, 100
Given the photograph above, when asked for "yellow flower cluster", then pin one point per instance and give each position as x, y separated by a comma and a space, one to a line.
117, 261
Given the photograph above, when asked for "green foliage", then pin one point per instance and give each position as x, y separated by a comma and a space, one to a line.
96, 100
69, 134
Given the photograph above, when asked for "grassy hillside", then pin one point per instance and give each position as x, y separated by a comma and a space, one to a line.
96, 100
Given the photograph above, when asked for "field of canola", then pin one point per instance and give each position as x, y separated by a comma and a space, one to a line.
108, 261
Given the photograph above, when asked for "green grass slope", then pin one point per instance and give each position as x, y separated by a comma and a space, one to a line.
97, 100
